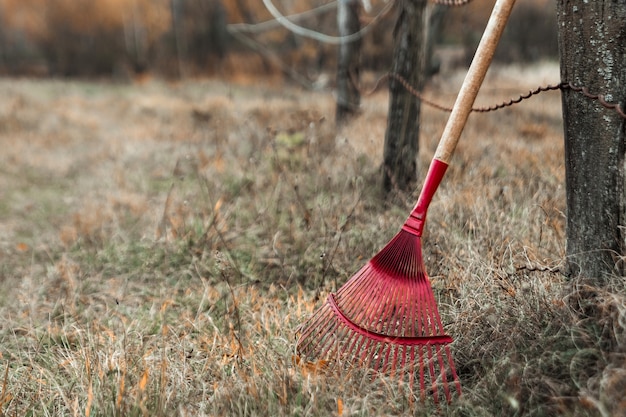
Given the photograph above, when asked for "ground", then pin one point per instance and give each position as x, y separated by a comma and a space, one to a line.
161, 243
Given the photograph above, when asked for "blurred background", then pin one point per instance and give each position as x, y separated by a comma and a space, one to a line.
228, 38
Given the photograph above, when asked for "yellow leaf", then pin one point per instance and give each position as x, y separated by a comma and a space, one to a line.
339, 407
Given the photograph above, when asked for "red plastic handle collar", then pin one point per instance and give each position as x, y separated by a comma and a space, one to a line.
415, 223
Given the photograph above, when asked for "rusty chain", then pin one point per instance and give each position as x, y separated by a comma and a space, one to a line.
564, 85
601, 98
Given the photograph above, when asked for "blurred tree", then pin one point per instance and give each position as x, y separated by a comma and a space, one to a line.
3, 42
403, 121
92, 37
592, 43
348, 95
201, 37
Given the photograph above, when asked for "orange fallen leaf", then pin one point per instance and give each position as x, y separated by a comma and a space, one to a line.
89, 401
218, 205
144, 380
310, 367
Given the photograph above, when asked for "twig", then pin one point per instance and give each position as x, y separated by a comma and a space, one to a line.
236, 313
534, 268
340, 230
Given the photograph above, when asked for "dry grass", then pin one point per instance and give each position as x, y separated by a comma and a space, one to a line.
160, 244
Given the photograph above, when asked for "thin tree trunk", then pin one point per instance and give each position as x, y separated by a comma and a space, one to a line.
403, 123
348, 96
3, 43
592, 43
179, 35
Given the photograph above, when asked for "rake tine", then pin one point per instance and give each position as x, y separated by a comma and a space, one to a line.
376, 310
319, 326
442, 371
421, 310
431, 369
383, 354
381, 325
422, 376
325, 343
404, 364
455, 377
351, 286
375, 294
354, 344
365, 352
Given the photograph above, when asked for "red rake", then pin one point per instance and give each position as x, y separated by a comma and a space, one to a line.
385, 317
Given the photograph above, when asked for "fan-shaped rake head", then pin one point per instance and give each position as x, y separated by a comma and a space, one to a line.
385, 318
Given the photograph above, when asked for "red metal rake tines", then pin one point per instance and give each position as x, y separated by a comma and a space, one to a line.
385, 317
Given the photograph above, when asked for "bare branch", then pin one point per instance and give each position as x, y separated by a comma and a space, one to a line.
321, 37
274, 23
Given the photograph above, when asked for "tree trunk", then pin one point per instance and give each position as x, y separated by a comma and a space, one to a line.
403, 122
3, 43
592, 44
348, 96
179, 35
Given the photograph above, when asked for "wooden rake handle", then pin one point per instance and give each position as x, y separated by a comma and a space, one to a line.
460, 112
473, 80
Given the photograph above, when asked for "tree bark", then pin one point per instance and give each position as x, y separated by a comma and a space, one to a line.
592, 44
348, 95
403, 122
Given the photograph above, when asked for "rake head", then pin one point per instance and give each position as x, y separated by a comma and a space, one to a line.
385, 317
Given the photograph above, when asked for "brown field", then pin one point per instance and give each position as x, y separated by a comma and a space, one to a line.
161, 242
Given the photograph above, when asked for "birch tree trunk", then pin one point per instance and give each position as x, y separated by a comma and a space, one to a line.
592, 44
